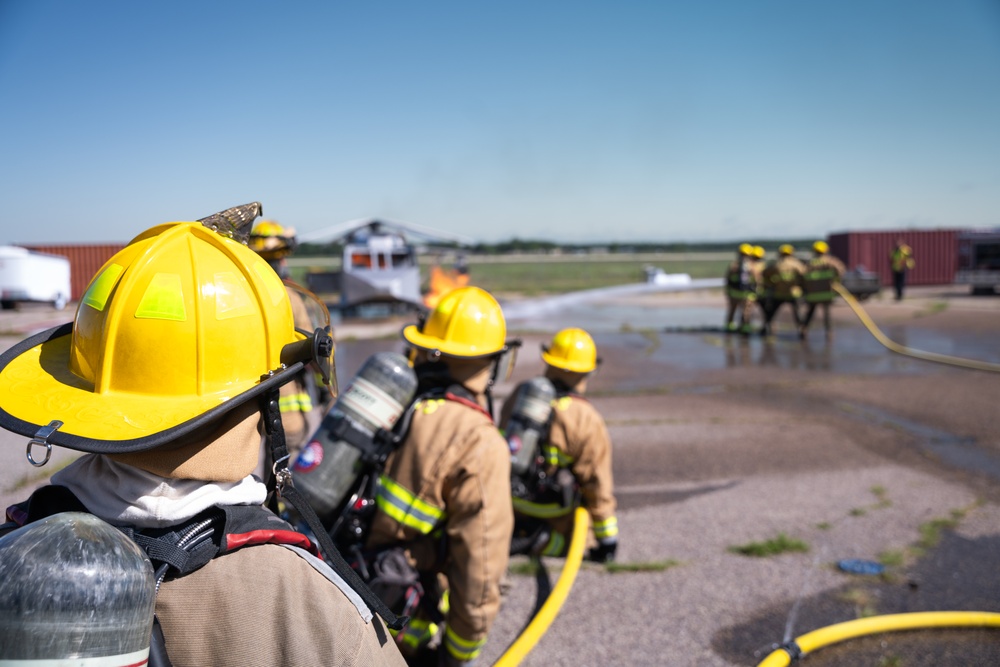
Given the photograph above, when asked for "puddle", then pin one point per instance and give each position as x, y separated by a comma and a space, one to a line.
956, 451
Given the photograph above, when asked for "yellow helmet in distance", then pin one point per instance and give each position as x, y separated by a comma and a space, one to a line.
758, 251
176, 329
786, 249
745, 249
821, 247
571, 350
272, 241
466, 322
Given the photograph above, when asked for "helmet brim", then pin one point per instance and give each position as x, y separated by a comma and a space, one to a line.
38, 388
413, 336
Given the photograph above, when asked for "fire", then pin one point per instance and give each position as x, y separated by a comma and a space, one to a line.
443, 281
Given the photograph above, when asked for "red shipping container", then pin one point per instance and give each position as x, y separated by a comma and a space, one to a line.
935, 253
84, 261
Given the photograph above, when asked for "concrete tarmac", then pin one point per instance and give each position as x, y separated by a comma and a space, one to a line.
721, 441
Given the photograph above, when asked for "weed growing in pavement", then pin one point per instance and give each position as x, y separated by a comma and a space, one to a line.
39, 475
892, 558
652, 566
772, 547
863, 601
824, 525
858, 511
890, 661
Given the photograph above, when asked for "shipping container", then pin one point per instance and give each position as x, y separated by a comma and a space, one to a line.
935, 253
84, 261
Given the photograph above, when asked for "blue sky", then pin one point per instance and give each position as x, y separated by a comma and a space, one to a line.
571, 121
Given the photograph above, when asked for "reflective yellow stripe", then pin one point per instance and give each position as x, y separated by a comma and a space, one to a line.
556, 546
418, 631
606, 528
462, 649
300, 402
556, 457
163, 299
429, 406
100, 289
400, 503
539, 510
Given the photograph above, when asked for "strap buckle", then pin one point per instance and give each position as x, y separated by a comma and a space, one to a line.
42, 439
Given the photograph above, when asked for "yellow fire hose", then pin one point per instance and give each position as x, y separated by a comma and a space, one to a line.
543, 619
901, 349
878, 624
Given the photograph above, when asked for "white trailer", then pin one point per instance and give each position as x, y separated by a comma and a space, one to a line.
33, 276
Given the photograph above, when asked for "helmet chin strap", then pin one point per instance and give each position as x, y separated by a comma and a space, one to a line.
282, 483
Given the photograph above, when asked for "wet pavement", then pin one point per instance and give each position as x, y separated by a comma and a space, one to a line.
722, 440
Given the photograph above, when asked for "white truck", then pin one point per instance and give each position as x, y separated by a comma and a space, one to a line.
979, 260
33, 276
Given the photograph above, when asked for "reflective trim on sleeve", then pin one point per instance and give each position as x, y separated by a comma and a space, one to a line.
402, 505
300, 402
462, 649
607, 528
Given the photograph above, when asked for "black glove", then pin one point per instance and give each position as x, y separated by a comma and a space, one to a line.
604, 552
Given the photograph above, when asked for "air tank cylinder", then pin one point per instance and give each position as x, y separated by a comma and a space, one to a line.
528, 421
74, 590
328, 466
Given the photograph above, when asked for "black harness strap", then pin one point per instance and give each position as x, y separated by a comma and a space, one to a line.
329, 552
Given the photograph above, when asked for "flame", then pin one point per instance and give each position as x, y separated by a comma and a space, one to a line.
443, 281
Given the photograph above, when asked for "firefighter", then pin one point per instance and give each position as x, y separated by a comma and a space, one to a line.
782, 279
444, 496
577, 440
299, 403
740, 290
822, 271
168, 380
900, 261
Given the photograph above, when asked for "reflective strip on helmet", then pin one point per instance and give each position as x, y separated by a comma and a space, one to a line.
163, 299
607, 528
556, 457
231, 296
540, 510
300, 402
556, 546
275, 288
460, 648
100, 288
400, 503
417, 632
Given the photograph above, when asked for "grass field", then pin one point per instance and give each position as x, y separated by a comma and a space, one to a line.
544, 274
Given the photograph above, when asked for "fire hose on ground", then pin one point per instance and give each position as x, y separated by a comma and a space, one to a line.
540, 623
902, 349
862, 627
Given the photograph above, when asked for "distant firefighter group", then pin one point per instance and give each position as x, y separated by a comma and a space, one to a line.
752, 282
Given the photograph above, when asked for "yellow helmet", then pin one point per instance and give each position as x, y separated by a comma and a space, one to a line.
272, 241
786, 249
571, 350
758, 251
176, 329
821, 248
745, 249
466, 322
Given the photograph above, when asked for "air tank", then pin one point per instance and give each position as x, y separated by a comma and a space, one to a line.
74, 590
528, 421
327, 468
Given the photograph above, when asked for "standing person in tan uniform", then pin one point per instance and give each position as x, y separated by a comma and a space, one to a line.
299, 411
782, 280
822, 271
168, 380
740, 290
444, 496
578, 441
